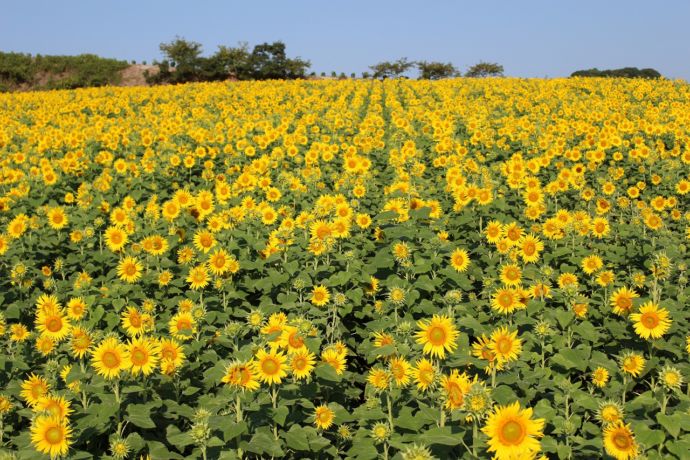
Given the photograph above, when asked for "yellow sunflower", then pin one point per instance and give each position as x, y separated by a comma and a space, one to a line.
424, 374
460, 260
320, 295
51, 323
438, 336
142, 355
241, 375
323, 417
51, 435
302, 363
129, 269
270, 367
619, 441
513, 433
505, 345
34, 388
622, 300
109, 358
651, 322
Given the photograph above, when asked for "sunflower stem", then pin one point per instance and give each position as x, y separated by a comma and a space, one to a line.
625, 384
390, 409
475, 435
274, 400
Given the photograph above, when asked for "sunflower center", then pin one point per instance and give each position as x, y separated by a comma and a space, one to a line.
505, 299
529, 248
139, 357
130, 269
650, 320
183, 324
513, 432
110, 359
53, 435
625, 303
437, 336
503, 345
270, 366
168, 353
621, 440
295, 341
299, 363
54, 324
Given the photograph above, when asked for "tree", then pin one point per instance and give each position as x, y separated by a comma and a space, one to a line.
485, 69
387, 69
269, 61
625, 72
436, 70
185, 57
235, 62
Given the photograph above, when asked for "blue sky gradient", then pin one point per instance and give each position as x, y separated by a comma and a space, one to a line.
531, 38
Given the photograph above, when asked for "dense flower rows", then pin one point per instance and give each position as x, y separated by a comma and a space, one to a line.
408, 269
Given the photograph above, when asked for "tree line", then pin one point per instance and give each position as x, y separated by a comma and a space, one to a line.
183, 62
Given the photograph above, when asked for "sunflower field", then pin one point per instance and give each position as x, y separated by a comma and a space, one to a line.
354, 269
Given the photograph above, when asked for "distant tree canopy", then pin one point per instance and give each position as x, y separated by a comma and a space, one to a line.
485, 69
184, 63
436, 70
625, 72
388, 69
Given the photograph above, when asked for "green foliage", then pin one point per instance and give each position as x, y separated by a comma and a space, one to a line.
387, 69
625, 72
436, 70
485, 69
57, 72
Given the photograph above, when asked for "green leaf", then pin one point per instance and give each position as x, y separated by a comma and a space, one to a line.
326, 372
264, 443
279, 415
296, 438
443, 436
671, 423
233, 430
140, 415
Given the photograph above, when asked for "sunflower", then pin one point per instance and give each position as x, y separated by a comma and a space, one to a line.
241, 375
198, 277
512, 432
34, 388
323, 417
600, 227
424, 374
400, 371
632, 363
651, 322
320, 295
619, 441
76, 308
182, 326
505, 345
455, 387
290, 339
591, 264
530, 248
81, 341
622, 300
129, 269
493, 231
506, 300
142, 355
56, 406
302, 363
460, 260
671, 378
600, 377
51, 435
334, 359
109, 358
51, 323
438, 336
270, 367
204, 241
115, 238
171, 351
133, 322
511, 275
57, 218
19, 332
609, 412
219, 262
379, 378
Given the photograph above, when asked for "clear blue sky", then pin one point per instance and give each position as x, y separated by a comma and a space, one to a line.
530, 38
